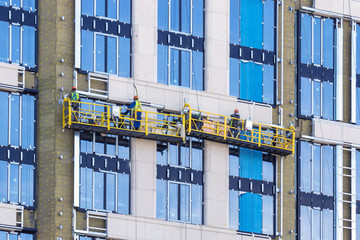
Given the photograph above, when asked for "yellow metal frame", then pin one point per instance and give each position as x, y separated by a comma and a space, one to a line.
260, 134
175, 125
151, 122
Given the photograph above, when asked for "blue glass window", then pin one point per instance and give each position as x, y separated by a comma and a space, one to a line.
105, 180
27, 184
305, 156
181, 64
17, 179
328, 100
28, 125
86, 186
251, 23
306, 38
87, 50
15, 120
268, 84
161, 199
328, 44
18, 37
198, 18
4, 3
15, 44
235, 22
108, 49
4, 41
28, 51
317, 181
328, 170
252, 34
100, 8
316, 168
251, 210
317, 40
305, 96
4, 124
110, 191
305, 222
124, 57
14, 183
316, 50
125, 11
99, 189
15, 3
234, 209
123, 192
163, 14
87, 7
100, 52
180, 200
269, 25
26, 236
316, 98
3, 181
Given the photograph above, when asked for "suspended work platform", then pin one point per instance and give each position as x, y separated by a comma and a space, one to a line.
173, 127
248, 134
111, 120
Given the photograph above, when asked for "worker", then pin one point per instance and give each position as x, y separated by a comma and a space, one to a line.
234, 124
136, 112
75, 105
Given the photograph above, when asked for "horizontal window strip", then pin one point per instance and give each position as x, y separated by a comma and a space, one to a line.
317, 72
180, 40
17, 155
316, 200
252, 54
106, 26
251, 185
18, 16
104, 163
184, 175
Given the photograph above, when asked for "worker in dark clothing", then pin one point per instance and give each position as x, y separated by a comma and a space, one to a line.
136, 112
234, 123
75, 105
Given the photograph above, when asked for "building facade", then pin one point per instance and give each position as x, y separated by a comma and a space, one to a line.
287, 169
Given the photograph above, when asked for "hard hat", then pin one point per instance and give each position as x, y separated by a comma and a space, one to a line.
73, 88
135, 97
236, 110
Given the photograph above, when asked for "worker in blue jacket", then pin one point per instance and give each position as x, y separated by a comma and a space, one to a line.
136, 112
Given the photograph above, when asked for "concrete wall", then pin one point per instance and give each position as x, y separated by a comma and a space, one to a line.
131, 227
336, 131
172, 97
8, 214
343, 7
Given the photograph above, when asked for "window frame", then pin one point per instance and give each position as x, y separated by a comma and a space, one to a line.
122, 166
313, 71
242, 53
236, 186
121, 30
163, 174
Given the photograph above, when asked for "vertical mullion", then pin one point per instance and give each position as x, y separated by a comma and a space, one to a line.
10, 42
21, 119
312, 39
179, 62
311, 168
8, 182
19, 179
9, 119
21, 46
